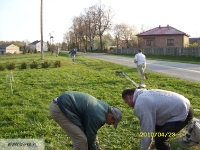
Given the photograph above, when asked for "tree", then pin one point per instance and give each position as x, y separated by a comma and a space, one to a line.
103, 19
87, 27
144, 28
79, 31
117, 35
126, 33
194, 45
41, 27
90, 26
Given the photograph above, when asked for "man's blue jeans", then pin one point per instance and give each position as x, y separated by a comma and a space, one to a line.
162, 143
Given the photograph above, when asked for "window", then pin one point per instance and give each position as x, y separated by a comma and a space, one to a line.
149, 42
170, 42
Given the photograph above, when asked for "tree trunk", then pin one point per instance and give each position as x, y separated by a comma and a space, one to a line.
101, 44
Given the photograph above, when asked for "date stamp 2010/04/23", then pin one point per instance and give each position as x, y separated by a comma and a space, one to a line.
157, 134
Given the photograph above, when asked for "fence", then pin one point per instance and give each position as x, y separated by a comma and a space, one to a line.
191, 52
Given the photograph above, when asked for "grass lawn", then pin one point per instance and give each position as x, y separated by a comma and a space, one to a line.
25, 113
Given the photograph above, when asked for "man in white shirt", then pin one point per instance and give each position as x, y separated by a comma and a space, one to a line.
140, 60
162, 114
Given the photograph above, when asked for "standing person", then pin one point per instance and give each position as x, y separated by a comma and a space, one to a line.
162, 111
140, 60
73, 53
81, 115
57, 51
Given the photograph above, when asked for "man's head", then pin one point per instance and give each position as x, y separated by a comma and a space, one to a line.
140, 50
114, 116
127, 96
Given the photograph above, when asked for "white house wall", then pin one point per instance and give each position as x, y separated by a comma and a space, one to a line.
38, 47
12, 49
32, 47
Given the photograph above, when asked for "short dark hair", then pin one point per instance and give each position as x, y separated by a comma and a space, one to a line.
140, 50
128, 91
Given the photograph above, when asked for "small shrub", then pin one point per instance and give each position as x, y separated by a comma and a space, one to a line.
1, 67
57, 63
34, 64
45, 64
8, 53
24, 52
11, 65
35, 51
24, 65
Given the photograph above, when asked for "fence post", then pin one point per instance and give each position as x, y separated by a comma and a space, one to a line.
152, 51
164, 51
199, 51
179, 51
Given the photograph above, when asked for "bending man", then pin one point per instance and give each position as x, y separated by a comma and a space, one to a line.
164, 112
80, 115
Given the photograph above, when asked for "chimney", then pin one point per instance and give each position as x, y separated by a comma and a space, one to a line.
168, 26
159, 26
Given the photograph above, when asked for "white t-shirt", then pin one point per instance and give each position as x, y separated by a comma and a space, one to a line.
140, 59
157, 107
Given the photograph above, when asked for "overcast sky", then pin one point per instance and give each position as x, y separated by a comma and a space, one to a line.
20, 19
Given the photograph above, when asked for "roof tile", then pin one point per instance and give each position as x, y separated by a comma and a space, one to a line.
167, 30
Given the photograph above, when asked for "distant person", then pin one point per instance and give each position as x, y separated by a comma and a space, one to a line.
73, 54
161, 113
81, 115
140, 60
57, 51
52, 52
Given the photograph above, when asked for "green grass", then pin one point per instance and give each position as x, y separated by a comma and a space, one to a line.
183, 59
25, 114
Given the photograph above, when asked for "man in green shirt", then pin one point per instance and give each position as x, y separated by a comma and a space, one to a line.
80, 115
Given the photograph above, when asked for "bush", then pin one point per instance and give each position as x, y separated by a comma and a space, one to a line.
24, 65
34, 64
57, 63
45, 64
11, 65
24, 51
1, 67
8, 53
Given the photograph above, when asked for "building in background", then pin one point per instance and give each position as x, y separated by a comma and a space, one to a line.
163, 37
9, 48
194, 40
36, 45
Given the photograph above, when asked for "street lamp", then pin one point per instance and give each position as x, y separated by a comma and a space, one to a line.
51, 36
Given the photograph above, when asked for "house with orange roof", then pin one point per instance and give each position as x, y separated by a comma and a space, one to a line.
163, 37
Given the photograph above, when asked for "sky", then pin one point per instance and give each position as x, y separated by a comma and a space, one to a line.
20, 19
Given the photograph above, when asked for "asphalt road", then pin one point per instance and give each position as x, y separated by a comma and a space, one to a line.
190, 72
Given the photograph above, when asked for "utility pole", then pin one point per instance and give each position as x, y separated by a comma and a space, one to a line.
41, 27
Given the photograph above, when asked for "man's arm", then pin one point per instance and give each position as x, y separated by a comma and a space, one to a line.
91, 129
147, 124
135, 59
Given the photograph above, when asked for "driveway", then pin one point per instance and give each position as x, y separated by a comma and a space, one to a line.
184, 71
